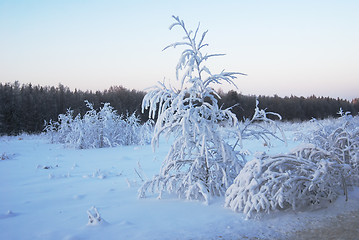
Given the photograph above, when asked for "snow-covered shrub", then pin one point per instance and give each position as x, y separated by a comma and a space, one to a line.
307, 176
341, 139
313, 174
146, 132
311, 131
98, 129
200, 164
136, 133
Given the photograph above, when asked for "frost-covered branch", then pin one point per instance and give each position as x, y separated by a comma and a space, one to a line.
260, 127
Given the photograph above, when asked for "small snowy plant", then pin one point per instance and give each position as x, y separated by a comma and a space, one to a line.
51, 129
94, 217
199, 164
6, 156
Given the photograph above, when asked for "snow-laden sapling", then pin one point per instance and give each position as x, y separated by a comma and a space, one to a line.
199, 164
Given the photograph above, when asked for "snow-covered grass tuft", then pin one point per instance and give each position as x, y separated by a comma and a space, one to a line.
94, 217
6, 156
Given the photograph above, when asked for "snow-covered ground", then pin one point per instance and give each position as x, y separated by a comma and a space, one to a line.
46, 191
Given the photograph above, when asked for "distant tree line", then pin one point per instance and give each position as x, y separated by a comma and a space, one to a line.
24, 108
290, 108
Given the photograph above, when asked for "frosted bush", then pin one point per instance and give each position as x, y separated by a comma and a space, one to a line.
98, 129
313, 130
308, 176
314, 174
342, 140
200, 164
51, 129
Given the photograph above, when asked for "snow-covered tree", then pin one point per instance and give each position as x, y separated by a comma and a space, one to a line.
200, 164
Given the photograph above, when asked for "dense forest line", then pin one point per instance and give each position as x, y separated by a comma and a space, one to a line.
290, 108
24, 108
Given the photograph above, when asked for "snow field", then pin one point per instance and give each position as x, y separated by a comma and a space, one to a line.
46, 191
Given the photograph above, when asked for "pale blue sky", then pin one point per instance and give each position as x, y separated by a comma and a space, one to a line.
286, 47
